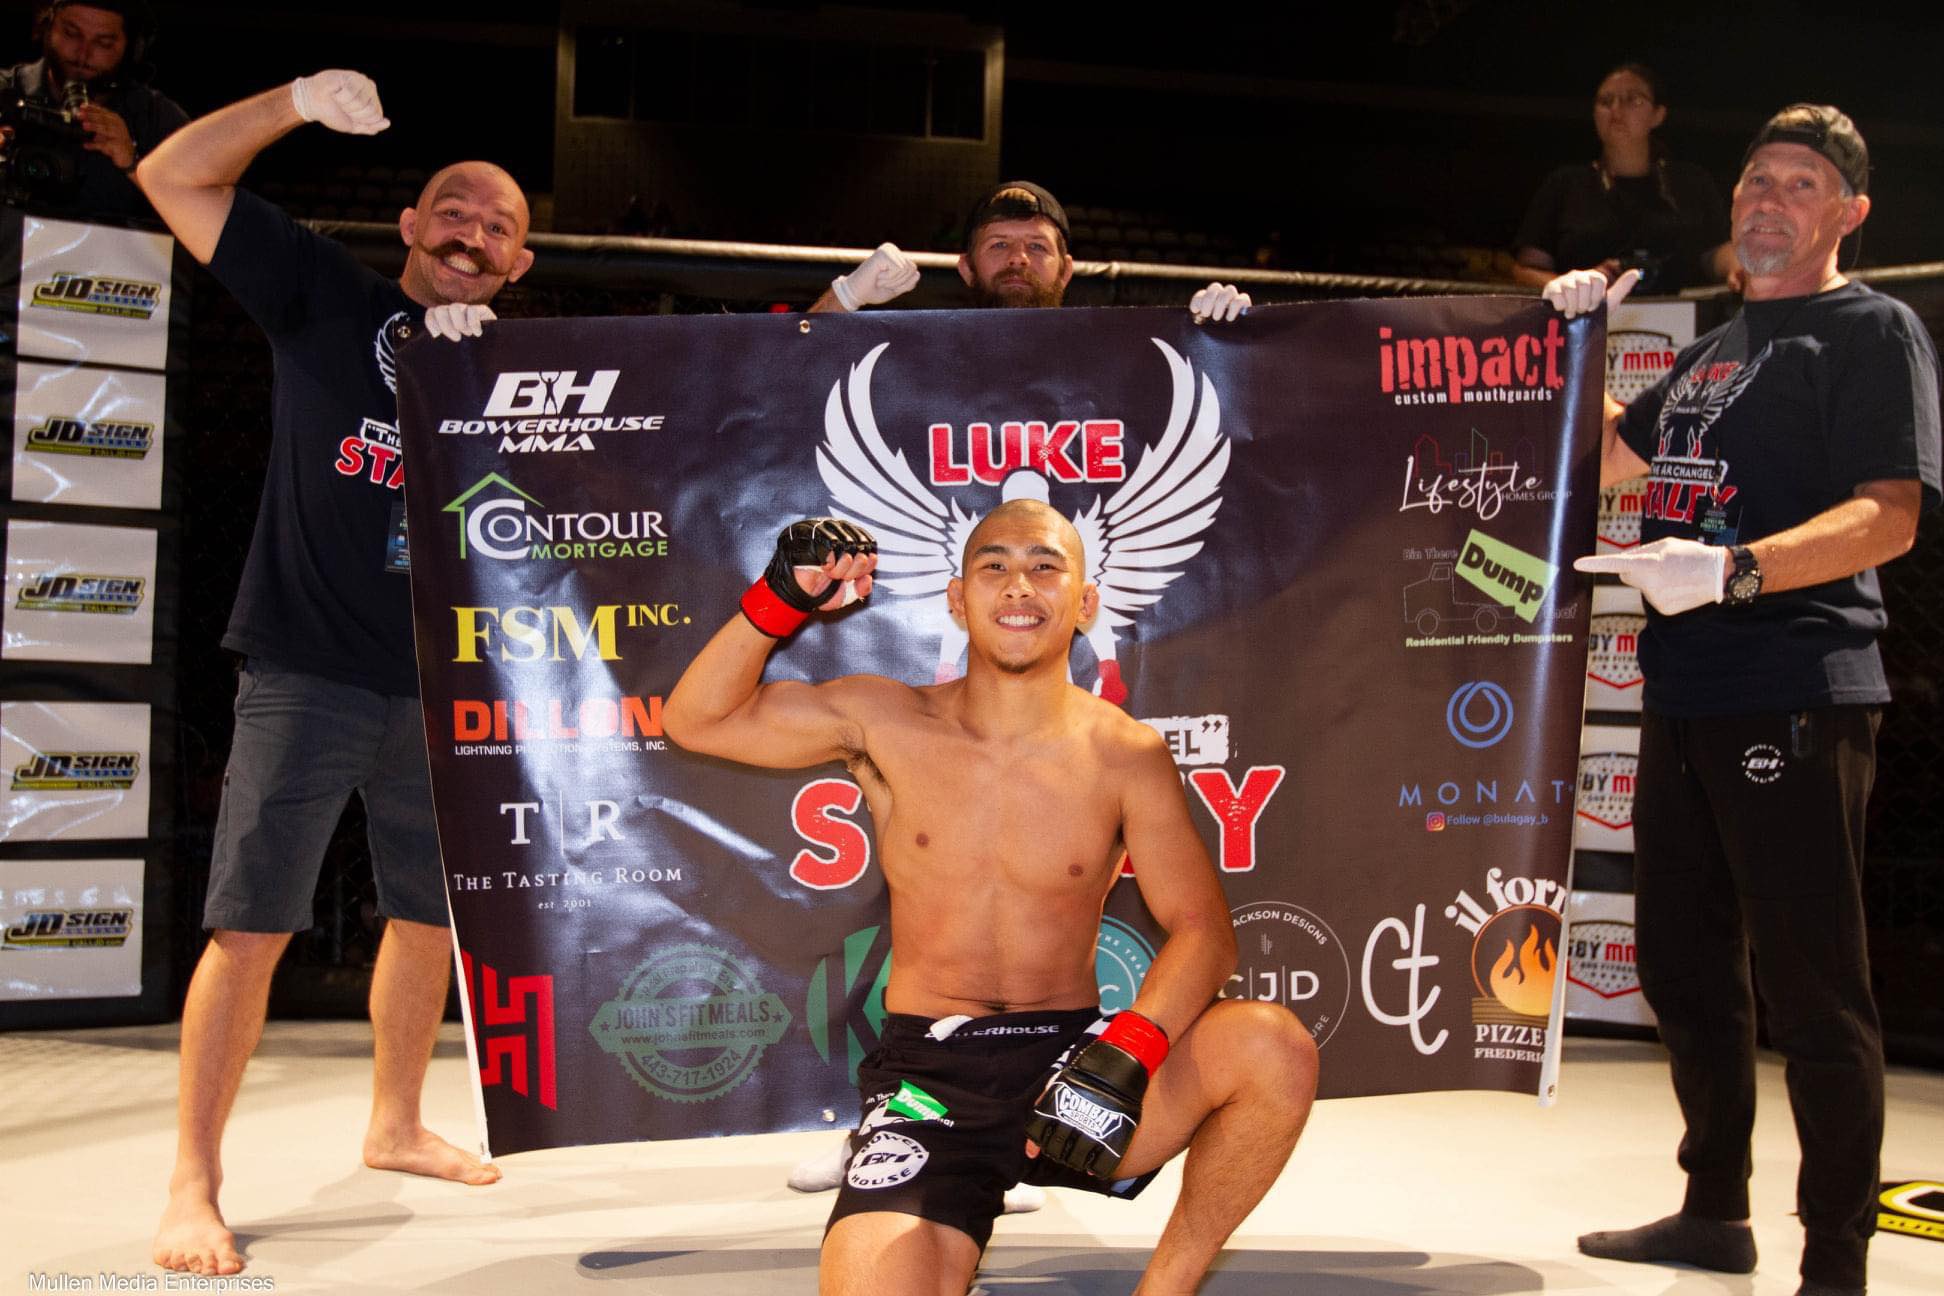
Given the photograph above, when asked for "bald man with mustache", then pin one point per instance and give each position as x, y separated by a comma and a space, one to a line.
327, 698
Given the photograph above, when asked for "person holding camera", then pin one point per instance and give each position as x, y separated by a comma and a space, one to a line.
74, 122
1631, 208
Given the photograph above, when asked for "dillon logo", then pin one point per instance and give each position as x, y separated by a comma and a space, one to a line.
554, 410
1137, 539
82, 592
106, 439
76, 771
98, 295
1451, 369
496, 522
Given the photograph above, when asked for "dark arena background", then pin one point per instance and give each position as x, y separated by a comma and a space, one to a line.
1354, 150
690, 157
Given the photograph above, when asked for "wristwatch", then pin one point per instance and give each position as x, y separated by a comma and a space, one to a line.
1745, 580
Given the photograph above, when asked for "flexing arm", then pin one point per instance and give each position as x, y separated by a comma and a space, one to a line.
721, 707
191, 176
1179, 885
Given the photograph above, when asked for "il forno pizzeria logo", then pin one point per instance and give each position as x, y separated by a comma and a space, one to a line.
1460, 369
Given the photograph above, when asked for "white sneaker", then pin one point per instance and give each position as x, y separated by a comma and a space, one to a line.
1024, 1199
822, 1172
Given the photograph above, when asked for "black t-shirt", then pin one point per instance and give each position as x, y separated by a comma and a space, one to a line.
1760, 425
100, 189
1579, 221
325, 588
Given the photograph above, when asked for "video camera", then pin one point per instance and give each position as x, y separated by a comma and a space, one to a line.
40, 161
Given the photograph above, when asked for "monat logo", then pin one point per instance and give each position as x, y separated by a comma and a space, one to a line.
98, 295
82, 592
107, 439
70, 929
499, 520
76, 771
550, 411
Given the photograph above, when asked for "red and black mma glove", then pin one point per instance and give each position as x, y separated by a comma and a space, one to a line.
1086, 1117
777, 604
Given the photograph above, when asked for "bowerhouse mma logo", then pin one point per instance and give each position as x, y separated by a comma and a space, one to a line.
1454, 369
513, 1027
690, 1023
77, 771
102, 439
1288, 955
98, 295
498, 520
82, 592
1138, 538
550, 411
1762, 763
1514, 960
1601, 956
70, 929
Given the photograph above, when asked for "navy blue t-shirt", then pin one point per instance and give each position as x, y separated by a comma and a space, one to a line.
325, 588
1765, 422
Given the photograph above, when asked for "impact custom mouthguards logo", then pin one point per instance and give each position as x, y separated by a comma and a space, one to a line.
1136, 539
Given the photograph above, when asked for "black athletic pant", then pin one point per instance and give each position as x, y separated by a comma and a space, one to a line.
1748, 832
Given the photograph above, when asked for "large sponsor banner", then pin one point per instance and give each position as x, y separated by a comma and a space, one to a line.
87, 436
94, 293
1334, 545
1602, 975
79, 593
74, 770
70, 928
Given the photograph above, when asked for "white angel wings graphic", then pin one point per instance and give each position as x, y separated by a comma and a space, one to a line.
1136, 540
385, 349
1719, 397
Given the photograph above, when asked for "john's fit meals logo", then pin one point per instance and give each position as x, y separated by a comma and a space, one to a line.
499, 520
105, 439
550, 410
1451, 369
98, 295
77, 771
82, 592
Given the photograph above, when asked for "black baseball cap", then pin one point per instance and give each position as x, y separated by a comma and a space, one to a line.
1017, 200
1826, 130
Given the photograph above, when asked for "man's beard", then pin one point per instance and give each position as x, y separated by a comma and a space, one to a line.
1768, 262
985, 292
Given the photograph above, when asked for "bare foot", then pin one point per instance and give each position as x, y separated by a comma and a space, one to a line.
192, 1237
421, 1152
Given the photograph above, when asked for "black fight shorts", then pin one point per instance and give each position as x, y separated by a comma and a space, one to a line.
942, 1133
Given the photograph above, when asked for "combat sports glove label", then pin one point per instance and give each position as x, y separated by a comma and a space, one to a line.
1086, 1118
777, 604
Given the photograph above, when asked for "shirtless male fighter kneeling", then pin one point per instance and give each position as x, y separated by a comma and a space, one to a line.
1003, 802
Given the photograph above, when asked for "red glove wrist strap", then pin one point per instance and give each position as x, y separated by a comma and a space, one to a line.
769, 613
1138, 1037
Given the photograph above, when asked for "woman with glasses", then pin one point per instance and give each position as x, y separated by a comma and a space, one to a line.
1631, 207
